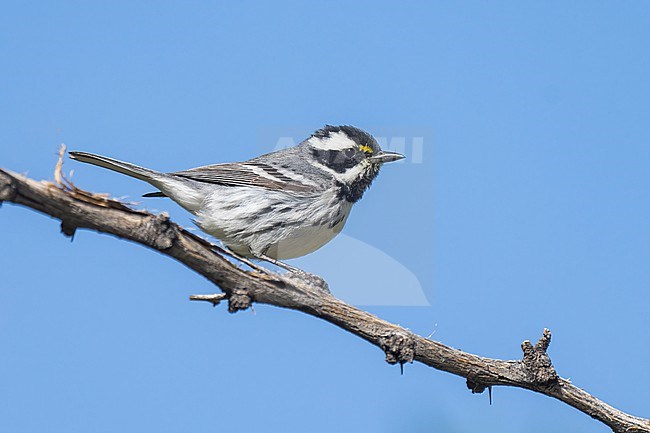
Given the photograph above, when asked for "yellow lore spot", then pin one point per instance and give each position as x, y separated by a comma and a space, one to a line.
366, 149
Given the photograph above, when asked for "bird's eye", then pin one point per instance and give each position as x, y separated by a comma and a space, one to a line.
349, 153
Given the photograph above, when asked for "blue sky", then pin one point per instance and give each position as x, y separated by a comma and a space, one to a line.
526, 207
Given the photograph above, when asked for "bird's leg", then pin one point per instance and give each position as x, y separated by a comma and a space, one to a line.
311, 279
279, 264
244, 260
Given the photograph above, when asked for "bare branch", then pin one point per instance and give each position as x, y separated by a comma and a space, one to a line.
79, 209
214, 299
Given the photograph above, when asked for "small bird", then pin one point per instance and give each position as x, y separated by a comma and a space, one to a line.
280, 205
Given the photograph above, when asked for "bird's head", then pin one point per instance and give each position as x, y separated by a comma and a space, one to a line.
352, 156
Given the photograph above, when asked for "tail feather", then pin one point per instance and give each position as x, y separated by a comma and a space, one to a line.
121, 167
182, 191
154, 194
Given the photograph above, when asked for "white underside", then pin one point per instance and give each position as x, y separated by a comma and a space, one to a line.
253, 221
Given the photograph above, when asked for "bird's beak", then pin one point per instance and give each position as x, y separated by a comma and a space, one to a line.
384, 156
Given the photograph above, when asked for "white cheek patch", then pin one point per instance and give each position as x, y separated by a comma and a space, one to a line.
336, 141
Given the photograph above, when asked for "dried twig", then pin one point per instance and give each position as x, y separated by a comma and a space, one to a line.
80, 209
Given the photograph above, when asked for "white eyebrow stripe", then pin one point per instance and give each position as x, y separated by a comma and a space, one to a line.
336, 141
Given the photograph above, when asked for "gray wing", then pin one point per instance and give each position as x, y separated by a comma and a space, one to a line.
248, 174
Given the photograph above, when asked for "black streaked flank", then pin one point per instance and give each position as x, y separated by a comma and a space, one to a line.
336, 222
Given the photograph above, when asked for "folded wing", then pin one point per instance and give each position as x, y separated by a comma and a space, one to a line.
252, 174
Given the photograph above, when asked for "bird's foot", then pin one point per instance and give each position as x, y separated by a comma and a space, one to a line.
310, 279
296, 273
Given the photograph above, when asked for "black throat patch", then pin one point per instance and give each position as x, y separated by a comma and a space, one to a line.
354, 191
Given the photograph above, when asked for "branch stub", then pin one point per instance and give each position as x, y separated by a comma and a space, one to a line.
537, 363
239, 299
399, 347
